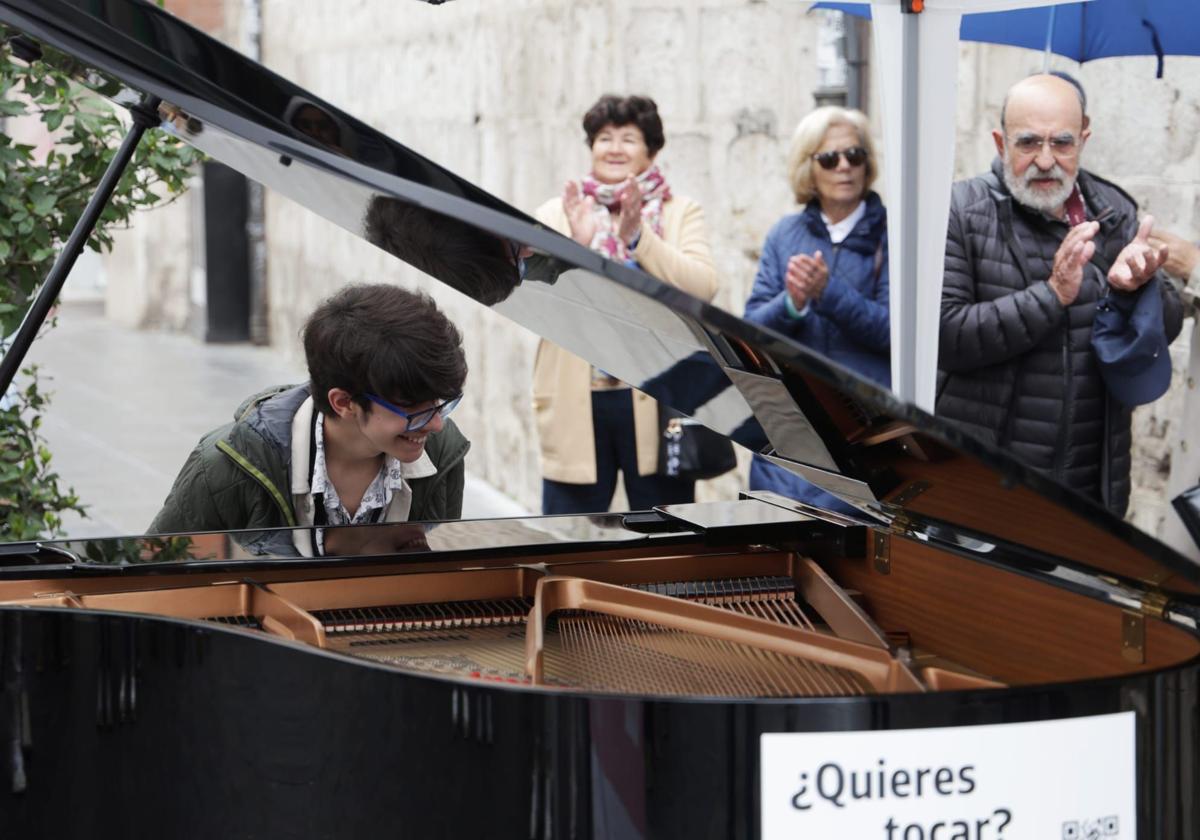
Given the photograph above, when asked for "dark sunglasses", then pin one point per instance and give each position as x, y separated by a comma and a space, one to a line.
855, 156
417, 419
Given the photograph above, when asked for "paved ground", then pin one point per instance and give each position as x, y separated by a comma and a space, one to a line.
128, 405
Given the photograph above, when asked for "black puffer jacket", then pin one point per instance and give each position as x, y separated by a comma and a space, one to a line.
1016, 366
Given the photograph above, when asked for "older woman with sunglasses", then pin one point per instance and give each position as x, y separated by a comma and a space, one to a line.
822, 277
591, 425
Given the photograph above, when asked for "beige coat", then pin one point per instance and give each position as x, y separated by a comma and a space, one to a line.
562, 400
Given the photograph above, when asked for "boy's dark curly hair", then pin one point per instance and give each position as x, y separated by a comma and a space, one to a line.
384, 340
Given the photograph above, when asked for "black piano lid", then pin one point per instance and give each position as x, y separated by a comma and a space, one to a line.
906, 470
451, 544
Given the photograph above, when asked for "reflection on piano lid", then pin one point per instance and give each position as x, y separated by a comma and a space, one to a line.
764, 391
574, 676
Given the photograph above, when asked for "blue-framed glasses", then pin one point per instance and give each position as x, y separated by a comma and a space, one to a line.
418, 419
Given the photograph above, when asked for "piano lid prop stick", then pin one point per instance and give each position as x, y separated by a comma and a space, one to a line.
145, 115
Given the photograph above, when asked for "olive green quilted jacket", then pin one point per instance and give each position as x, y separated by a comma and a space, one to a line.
237, 476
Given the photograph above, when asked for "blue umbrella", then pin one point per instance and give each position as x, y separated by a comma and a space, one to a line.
1084, 31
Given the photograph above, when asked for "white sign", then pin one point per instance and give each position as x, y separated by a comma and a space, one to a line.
1070, 779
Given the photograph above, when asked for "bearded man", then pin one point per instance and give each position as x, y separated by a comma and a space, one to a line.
1032, 248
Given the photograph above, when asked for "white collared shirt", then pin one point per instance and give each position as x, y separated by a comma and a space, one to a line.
838, 231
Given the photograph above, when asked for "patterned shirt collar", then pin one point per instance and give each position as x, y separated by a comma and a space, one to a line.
378, 495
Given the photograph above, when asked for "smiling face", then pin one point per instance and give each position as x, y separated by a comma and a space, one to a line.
365, 433
1040, 141
619, 152
845, 184
388, 432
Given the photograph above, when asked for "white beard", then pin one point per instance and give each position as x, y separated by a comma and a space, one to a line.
1023, 190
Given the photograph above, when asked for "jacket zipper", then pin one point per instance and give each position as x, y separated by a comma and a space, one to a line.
1063, 418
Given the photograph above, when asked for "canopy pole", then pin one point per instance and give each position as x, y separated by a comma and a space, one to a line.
905, 373
918, 52
1049, 41
145, 115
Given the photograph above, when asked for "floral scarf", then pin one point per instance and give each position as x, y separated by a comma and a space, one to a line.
655, 193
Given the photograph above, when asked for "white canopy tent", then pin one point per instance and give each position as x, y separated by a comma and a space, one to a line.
917, 59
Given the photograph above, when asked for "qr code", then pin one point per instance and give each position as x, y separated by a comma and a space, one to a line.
1091, 829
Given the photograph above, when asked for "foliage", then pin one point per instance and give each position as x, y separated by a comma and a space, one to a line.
136, 550
41, 197
31, 500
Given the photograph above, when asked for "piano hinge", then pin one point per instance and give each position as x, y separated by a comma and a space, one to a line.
1133, 637
881, 551
1153, 604
900, 524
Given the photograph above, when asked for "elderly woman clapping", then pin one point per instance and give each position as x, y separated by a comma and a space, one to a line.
590, 425
823, 278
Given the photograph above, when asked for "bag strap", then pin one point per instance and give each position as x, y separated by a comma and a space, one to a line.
878, 265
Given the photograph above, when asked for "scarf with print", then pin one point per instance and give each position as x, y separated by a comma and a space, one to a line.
655, 193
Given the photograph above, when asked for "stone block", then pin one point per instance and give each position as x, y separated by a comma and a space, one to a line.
661, 61
736, 77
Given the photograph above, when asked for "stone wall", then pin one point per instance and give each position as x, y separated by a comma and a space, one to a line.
154, 274
149, 271
495, 91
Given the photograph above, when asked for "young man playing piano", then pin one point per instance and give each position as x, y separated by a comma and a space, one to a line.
367, 439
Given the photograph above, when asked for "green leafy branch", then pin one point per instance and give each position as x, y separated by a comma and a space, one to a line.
42, 195
139, 550
31, 500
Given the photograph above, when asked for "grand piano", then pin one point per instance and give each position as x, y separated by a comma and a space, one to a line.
974, 648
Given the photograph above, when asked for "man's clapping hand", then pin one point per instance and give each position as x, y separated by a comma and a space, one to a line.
1138, 260
1073, 254
806, 278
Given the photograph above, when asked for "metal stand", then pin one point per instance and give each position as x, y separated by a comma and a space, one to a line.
145, 115
904, 374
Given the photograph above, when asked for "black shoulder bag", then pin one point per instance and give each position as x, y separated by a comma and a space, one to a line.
691, 450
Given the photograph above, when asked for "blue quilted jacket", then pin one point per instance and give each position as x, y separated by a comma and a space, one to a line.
849, 323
